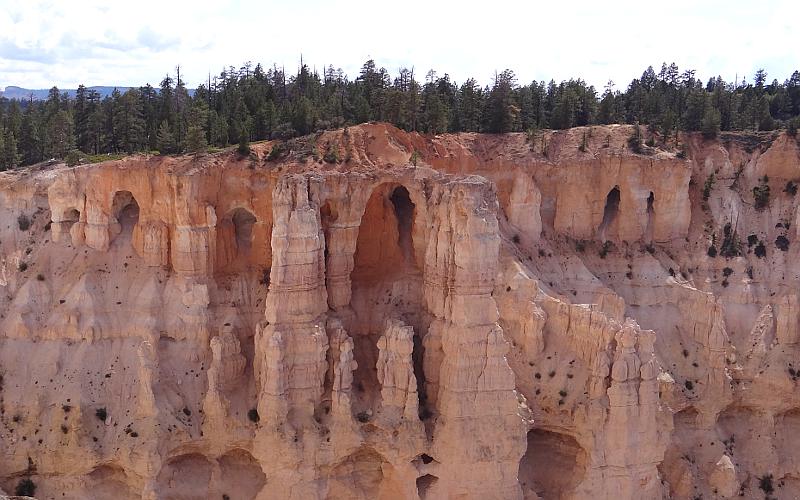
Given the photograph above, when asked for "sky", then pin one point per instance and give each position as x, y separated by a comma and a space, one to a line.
133, 42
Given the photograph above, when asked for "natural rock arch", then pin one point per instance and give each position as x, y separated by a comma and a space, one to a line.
385, 240
125, 209
62, 226
235, 238
386, 281
71, 216
553, 464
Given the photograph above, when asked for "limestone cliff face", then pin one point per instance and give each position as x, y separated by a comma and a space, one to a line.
507, 317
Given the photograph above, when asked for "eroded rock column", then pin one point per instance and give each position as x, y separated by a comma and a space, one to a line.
479, 436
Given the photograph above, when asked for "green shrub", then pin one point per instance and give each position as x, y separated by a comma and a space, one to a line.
708, 186
761, 193
331, 154
711, 123
635, 140
244, 145
792, 126
415, 157
278, 151
25, 488
765, 484
731, 246
605, 249
24, 222
74, 157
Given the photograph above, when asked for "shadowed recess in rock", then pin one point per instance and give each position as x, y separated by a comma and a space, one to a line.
553, 464
610, 213
358, 476
386, 282
125, 209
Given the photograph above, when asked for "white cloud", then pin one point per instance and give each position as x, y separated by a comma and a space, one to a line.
46, 42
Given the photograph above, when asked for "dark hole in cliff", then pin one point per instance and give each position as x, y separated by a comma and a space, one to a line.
610, 212
71, 216
126, 210
404, 210
417, 356
650, 213
563, 453
243, 222
386, 282
328, 216
424, 484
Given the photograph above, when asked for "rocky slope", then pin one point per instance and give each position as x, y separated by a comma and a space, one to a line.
377, 314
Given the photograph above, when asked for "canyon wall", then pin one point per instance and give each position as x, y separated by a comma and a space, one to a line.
460, 316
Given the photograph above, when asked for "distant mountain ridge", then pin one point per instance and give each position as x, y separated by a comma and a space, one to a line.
23, 94
19, 93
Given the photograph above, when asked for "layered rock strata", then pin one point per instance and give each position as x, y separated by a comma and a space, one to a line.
459, 316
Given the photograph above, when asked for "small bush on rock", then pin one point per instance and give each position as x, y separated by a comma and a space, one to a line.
23, 222
761, 193
252, 414
25, 488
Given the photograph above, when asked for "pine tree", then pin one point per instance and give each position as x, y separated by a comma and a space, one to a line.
8, 151
502, 110
165, 141
82, 113
244, 144
30, 139
196, 139
711, 121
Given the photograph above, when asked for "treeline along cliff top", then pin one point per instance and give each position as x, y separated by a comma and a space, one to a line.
251, 104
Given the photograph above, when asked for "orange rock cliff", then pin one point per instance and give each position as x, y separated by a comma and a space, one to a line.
383, 315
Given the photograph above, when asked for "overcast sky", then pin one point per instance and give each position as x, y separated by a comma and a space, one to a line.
45, 43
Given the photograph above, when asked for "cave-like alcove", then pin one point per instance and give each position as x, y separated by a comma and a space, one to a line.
553, 464
424, 485
243, 222
386, 283
71, 216
610, 213
235, 241
358, 476
125, 209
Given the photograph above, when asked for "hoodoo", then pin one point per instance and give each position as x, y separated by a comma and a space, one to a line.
368, 313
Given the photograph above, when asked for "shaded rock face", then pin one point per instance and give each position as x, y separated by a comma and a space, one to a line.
500, 320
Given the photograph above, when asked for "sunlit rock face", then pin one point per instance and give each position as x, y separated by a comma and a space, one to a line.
463, 316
